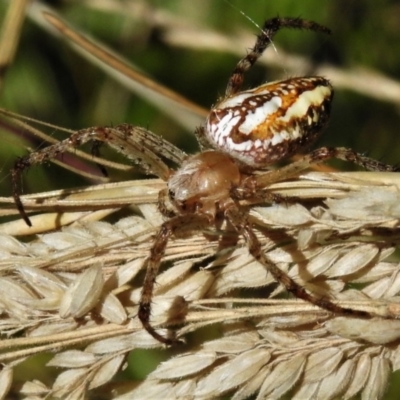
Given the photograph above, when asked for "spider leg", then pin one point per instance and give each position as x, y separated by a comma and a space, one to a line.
269, 29
165, 209
141, 146
315, 157
254, 194
179, 224
243, 226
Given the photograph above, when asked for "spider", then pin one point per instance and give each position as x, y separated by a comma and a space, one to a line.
244, 133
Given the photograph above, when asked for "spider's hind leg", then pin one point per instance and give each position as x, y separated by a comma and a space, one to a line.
264, 39
317, 156
243, 226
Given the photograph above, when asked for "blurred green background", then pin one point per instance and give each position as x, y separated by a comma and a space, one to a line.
50, 82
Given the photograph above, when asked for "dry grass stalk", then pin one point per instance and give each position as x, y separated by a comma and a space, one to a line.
69, 292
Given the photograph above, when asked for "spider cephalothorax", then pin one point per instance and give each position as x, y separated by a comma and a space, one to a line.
204, 183
247, 131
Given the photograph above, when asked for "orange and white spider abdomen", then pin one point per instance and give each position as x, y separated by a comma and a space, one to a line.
261, 126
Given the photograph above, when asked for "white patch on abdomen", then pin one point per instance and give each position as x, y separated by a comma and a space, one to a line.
259, 115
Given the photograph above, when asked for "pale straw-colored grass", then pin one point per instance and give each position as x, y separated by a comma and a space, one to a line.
73, 292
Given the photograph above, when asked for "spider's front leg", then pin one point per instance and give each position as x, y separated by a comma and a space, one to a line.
141, 146
243, 226
164, 205
40, 157
177, 225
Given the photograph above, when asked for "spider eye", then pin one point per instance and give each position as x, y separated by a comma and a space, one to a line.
271, 122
